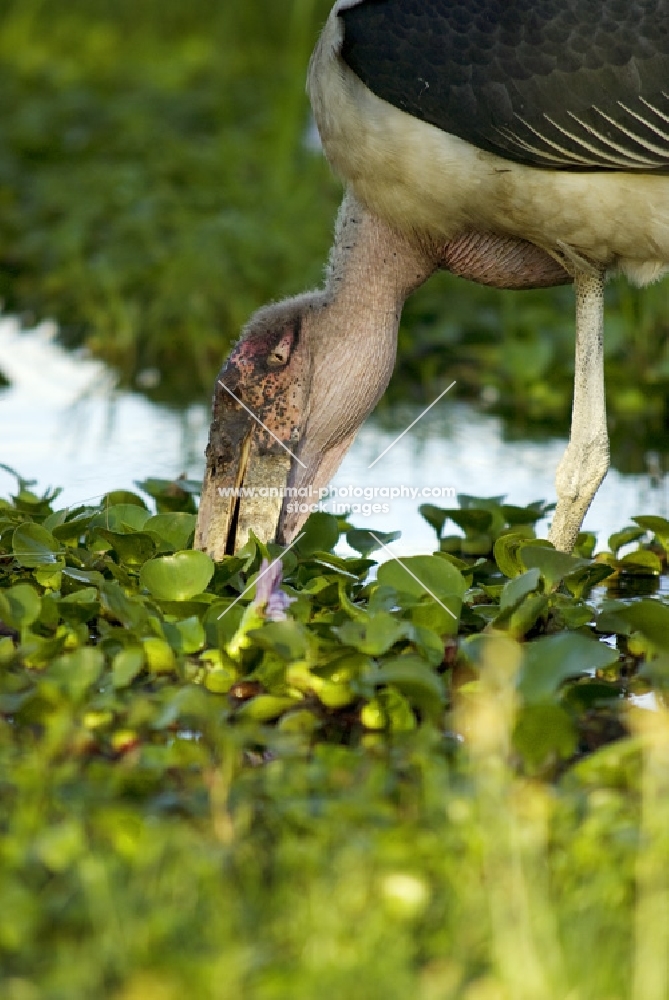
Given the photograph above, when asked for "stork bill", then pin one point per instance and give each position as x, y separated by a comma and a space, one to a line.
518, 143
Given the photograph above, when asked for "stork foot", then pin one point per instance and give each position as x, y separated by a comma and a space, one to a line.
578, 478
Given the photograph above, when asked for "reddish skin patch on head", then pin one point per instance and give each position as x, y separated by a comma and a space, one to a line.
269, 372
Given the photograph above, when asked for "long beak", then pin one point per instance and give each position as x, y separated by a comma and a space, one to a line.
249, 464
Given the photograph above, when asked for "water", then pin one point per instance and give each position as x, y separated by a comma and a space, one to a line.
63, 423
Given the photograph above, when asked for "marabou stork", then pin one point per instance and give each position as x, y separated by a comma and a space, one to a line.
520, 143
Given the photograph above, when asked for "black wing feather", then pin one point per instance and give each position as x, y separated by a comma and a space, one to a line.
574, 84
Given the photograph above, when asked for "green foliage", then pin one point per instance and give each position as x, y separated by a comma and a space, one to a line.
201, 794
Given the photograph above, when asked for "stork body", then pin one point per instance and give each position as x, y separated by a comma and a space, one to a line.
520, 143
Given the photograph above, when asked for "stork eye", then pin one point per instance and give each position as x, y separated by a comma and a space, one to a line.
278, 358
280, 354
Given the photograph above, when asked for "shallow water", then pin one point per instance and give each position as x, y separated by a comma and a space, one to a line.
63, 423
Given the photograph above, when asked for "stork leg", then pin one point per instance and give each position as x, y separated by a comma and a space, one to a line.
586, 460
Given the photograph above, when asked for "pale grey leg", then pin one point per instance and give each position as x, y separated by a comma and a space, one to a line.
586, 459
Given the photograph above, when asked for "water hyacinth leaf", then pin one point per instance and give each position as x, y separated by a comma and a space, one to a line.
131, 613
428, 643
33, 546
412, 676
548, 662
88, 576
21, 606
175, 530
389, 709
78, 671
117, 497
131, 548
265, 708
320, 534
648, 617
172, 494
122, 518
552, 565
192, 635
583, 580
80, 606
69, 530
507, 554
287, 639
372, 636
659, 527
127, 665
544, 733
431, 615
642, 562
523, 515
183, 704
624, 537
178, 577
436, 517
526, 615
363, 542
159, 655
418, 575
518, 588
219, 680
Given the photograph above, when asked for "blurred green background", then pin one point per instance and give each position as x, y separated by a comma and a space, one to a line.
160, 179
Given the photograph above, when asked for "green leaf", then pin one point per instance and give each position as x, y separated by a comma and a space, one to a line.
507, 553
373, 636
583, 580
542, 733
80, 606
518, 588
192, 635
175, 530
362, 541
624, 537
418, 575
77, 672
178, 577
34, 546
548, 662
159, 656
133, 549
21, 607
526, 615
436, 517
659, 527
288, 639
523, 515
321, 533
123, 518
650, 618
412, 676
126, 666
265, 707
642, 562
431, 615
552, 565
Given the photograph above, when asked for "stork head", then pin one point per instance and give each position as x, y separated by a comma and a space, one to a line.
261, 403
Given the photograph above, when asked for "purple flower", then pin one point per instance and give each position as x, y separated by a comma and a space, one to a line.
268, 591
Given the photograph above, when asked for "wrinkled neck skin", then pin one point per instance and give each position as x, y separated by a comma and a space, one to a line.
352, 329
371, 272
